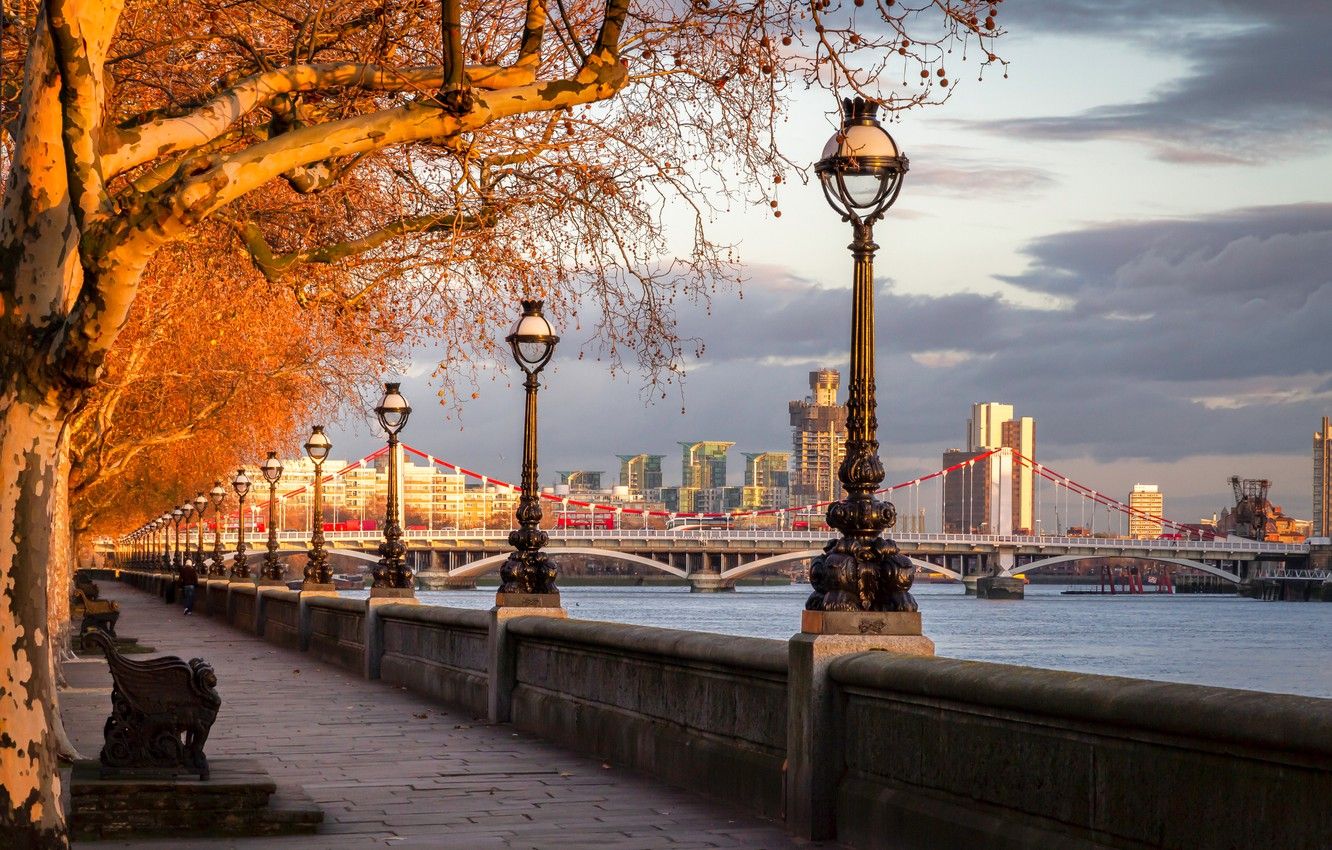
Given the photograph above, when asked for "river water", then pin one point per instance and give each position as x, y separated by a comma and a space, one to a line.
1227, 641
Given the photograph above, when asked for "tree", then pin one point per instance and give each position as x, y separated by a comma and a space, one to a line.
512, 149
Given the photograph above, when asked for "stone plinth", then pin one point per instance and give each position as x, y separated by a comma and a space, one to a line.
239, 799
503, 668
397, 594
1000, 587
812, 756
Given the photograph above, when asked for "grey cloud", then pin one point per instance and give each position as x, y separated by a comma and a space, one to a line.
1259, 84
1237, 302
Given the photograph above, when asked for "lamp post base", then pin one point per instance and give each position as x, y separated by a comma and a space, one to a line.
398, 593
527, 600
867, 623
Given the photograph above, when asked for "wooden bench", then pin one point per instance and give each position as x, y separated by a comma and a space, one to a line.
94, 613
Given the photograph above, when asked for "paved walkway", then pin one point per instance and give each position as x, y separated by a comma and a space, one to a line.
390, 768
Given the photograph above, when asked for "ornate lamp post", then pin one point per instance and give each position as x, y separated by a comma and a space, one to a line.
217, 495
200, 503
177, 515
528, 571
318, 574
392, 576
272, 471
861, 172
241, 484
165, 565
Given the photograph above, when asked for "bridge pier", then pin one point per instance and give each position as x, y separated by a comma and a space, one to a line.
441, 580
709, 582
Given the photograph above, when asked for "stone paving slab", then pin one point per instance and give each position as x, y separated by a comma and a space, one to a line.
391, 769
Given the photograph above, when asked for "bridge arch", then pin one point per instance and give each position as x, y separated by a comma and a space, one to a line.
785, 557
491, 563
1064, 559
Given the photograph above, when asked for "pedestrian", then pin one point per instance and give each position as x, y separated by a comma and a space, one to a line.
188, 581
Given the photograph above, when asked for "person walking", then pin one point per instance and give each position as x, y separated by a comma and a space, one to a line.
188, 580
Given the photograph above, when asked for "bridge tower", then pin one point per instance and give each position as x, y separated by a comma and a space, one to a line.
1000, 469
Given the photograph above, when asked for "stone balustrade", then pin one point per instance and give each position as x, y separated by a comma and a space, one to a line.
929, 752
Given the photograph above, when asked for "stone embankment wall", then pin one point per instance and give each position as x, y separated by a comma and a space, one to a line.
928, 752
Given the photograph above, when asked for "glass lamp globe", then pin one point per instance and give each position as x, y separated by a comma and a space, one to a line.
241, 483
317, 447
271, 468
531, 338
861, 167
393, 409
217, 494
200, 502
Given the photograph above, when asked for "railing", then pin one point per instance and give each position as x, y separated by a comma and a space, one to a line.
257, 541
1304, 575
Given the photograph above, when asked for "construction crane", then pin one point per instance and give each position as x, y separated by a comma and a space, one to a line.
1252, 510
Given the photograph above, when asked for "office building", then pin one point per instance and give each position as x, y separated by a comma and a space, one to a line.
767, 480
967, 493
1322, 480
580, 480
640, 473
703, 464
1150, 501
1020, 436
818, 441
992, 426
985, 428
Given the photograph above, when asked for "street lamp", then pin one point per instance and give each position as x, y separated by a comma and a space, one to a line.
217, 495
392, 576
200, 503
272, 471
164, 522
318, 575
527, 569
241, 484
861, 172
177, 515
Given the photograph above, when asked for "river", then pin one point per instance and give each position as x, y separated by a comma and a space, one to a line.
1228, 641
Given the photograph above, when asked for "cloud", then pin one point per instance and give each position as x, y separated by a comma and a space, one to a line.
1175, 339
1257, 88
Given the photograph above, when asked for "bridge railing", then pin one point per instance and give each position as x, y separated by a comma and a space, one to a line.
1306, 575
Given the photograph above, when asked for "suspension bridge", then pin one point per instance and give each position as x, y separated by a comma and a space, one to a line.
714, 550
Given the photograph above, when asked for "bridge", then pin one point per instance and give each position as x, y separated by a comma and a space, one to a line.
712, 557
713, 551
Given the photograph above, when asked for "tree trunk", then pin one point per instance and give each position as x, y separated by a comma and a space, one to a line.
31, 426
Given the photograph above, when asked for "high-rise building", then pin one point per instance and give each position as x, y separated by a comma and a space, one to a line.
767, 480
966, 497
580, 480
818, 441
703, 464
985, 428
1020, 436
640, 473
991, 426
1322, 480
1148, 499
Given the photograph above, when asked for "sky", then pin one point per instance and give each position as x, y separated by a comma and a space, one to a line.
1129, 239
